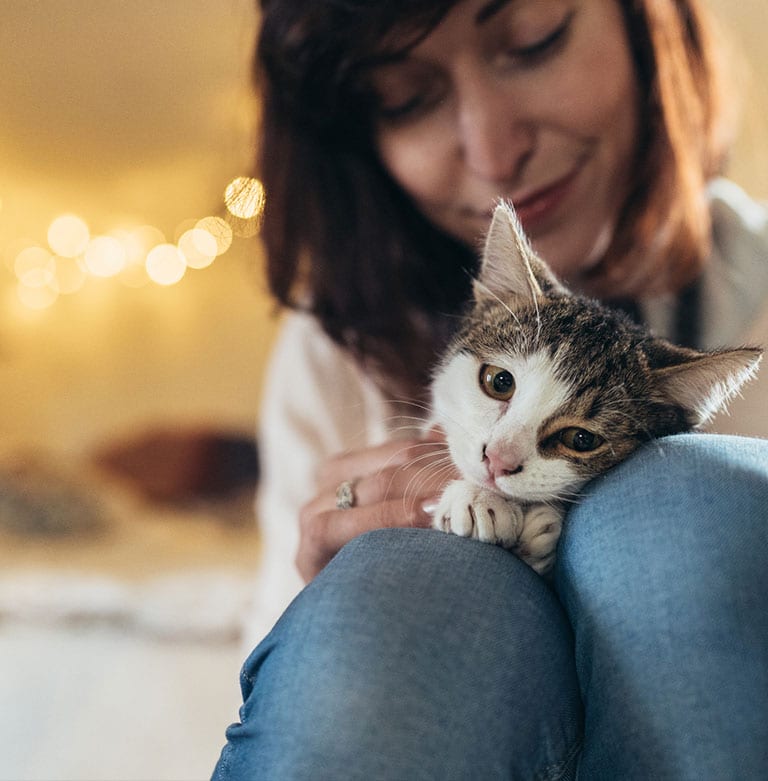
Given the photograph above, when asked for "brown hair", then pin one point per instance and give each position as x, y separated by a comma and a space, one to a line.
663, 237
344, 242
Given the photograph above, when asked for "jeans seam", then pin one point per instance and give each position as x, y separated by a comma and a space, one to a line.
555, 771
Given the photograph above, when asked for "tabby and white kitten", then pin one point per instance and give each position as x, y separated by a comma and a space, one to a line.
542, 390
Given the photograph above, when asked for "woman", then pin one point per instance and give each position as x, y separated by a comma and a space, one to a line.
389, 130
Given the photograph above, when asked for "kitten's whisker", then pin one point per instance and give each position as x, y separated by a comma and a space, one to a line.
503, 303
414, 489
538, 319
425, 476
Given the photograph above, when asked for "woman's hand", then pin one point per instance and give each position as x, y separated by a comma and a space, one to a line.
393, 485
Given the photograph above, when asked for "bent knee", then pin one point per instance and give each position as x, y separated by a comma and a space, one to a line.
421, 576
694, 501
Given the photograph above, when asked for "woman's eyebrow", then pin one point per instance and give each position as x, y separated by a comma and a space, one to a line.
489, 10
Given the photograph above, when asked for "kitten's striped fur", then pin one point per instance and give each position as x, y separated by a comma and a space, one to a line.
542, 390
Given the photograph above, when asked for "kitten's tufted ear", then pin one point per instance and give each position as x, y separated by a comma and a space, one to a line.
702, 382
509, 265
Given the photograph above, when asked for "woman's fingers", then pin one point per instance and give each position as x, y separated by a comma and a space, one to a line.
416, 468
424, 476
389, 485
390, 455
324, 533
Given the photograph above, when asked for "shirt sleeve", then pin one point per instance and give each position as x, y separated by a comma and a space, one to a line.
316, 402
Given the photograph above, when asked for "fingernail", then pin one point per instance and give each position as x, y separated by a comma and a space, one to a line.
429, 505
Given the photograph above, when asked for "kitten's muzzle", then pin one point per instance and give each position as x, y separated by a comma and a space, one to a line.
499, 465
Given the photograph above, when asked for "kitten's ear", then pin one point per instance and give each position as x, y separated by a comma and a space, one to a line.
509, 265
703, 383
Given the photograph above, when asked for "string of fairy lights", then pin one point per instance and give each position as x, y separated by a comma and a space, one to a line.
134, 256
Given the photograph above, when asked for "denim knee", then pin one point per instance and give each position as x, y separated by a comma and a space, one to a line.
414, 654
694, 503
663, 571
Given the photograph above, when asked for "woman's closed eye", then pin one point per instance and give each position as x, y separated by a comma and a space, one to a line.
406, 95
400, 110
405, 90
544, 46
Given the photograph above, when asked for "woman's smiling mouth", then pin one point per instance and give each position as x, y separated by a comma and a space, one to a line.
537, 207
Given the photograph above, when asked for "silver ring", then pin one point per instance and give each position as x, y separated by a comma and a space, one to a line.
345, 495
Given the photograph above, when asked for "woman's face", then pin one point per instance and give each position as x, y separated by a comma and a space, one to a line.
531, 100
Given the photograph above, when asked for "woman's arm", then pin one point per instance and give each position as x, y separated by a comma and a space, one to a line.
324, 421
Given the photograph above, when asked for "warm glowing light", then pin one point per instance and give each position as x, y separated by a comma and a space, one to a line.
68, 235
183, 227
221, 231
199, 248
36, 297
105, 256
133, 255
166, 264
143, 239
244, 198
69, 275
34, 267
134, 275
136, 243
12, 249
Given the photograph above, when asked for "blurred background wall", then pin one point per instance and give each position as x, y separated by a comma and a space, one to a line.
126, 115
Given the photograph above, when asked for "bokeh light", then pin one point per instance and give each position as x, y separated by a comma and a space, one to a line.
143, 239
36, 297
166, 264
244, 198
70, 275
133, 255
183, 227
199, 248
34, 267
12, 249
105, 256
221, 231
68, 235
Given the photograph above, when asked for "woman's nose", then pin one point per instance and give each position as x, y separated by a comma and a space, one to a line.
494, 138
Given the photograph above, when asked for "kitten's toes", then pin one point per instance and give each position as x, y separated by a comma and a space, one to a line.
472, 511
538, 540
453, 513
506, 515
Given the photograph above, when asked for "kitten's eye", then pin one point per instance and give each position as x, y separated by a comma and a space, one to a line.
496, 382
579, 439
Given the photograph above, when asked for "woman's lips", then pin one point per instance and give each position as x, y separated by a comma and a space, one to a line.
534, 209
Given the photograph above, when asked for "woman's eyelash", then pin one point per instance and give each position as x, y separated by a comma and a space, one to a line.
545, 44
401, 110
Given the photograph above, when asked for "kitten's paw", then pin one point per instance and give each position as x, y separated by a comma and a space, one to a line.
537, 542
472, 511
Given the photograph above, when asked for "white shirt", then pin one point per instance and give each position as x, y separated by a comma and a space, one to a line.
318, 402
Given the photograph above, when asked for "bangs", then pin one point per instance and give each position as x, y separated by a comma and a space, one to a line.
317, 55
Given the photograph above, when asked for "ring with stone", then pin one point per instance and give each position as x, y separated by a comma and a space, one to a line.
345, 495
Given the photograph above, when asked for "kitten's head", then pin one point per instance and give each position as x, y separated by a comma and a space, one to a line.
541, 390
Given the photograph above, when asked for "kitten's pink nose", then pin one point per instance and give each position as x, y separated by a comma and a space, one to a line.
501, 465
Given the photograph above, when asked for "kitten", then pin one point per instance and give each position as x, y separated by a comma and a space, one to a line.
542, 390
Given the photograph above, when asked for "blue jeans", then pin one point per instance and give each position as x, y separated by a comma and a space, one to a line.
421, 655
